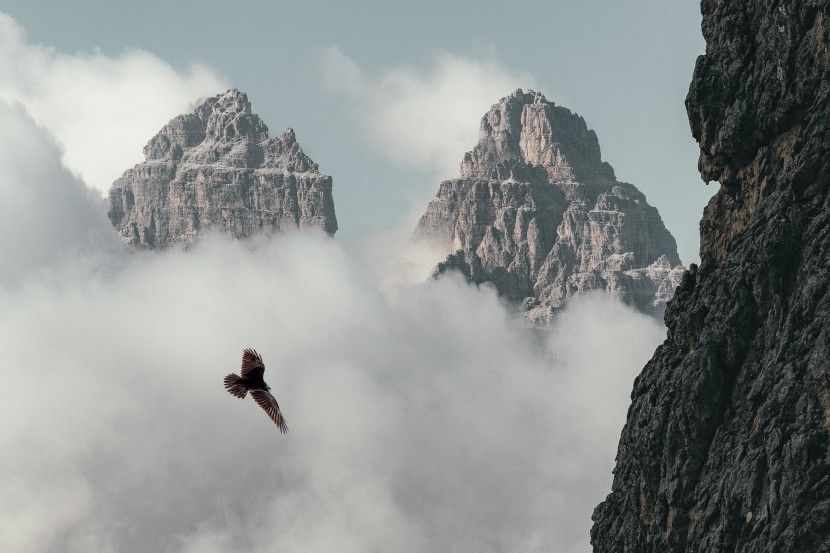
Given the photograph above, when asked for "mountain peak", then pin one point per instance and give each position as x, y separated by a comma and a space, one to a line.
529, 97
231, 118
537, 213
525, 129
216, 166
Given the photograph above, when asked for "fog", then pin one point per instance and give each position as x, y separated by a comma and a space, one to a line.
48, 218
423, 415
101, 109
423, 118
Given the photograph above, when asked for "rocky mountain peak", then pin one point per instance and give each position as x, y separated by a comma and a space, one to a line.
284, 153
539, 214
226, 117
217, 166
231, 119
526, 130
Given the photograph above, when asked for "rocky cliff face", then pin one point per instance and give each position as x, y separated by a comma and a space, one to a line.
216, 167
539, 214
727, 443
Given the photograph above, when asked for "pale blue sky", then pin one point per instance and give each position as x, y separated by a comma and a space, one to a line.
624, 66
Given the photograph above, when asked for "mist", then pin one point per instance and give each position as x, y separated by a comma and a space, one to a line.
423, 415
101, 109
421, 421
422, 118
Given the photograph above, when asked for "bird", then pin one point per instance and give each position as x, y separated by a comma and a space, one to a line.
251, 381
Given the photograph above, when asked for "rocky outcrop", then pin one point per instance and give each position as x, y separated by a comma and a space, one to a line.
538, 213
217, 168
727, 443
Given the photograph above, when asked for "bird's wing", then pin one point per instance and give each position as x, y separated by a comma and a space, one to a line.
269, 404
234, 386
251, 363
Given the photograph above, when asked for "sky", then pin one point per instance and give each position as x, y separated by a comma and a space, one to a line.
385, 96
423, 415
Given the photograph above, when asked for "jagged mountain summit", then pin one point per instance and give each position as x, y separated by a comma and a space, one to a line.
217, 168
538, 213
727, 443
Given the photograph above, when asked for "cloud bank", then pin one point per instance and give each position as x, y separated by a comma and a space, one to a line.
423, 417
48, 217
423, 119
101, 109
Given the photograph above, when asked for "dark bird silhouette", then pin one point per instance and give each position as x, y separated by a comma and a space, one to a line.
251, 381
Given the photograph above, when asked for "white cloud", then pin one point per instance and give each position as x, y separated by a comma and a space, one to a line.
429, 422
423, 419
48, 218
423, 416
102, 109
424, 119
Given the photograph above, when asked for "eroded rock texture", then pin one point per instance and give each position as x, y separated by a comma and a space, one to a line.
217, 167
539, 214
727, 442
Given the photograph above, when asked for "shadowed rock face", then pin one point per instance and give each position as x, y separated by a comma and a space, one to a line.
727, 442
217, 168
539, 214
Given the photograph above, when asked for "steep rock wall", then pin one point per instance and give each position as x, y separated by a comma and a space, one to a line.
727, 442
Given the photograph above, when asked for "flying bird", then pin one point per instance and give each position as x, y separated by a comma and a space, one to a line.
251, 381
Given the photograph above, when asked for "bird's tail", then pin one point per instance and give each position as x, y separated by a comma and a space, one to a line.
234, 386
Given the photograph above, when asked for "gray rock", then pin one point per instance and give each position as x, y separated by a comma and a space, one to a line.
538, 213
217, 168
727, 443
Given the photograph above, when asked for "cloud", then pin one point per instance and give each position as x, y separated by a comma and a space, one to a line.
428, 420
48, 217
423, 119
423, 416
101, 109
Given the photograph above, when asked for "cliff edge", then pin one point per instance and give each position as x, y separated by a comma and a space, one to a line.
727, 442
